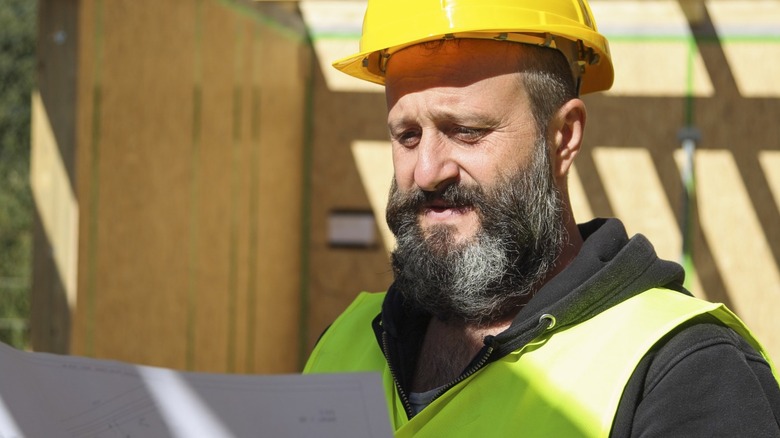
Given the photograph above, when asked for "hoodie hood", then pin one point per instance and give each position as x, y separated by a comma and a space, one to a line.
609, 269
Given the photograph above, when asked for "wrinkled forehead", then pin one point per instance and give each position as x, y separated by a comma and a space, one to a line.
455, 63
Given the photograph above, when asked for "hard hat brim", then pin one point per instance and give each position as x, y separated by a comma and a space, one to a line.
597, 76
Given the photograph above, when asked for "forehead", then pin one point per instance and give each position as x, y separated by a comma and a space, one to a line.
451, 64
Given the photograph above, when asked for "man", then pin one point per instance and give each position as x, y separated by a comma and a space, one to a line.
505, 316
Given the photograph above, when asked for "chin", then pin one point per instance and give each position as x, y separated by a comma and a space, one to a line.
443, 238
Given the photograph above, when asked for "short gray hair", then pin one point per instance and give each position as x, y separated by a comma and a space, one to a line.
548, 81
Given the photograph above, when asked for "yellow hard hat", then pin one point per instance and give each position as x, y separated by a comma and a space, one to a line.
566, 25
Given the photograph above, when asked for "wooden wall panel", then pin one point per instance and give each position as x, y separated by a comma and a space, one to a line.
277, 204
53, 161
190, 146
214, 211
140, 183
338, 274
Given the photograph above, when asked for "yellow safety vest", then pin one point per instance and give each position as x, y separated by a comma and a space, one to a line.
566, 382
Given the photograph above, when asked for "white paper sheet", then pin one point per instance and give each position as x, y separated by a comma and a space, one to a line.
49, 396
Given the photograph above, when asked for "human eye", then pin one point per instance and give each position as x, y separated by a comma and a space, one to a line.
407, 138
467, 134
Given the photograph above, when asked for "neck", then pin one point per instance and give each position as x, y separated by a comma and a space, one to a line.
448, 348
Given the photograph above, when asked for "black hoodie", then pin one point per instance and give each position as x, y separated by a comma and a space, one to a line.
701, 380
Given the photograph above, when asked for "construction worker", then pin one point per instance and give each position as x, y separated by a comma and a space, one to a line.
506, 318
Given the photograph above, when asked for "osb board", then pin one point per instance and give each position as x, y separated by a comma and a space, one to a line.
281, 134
184, 191
52, 177
337, 275
131, 184
736, 218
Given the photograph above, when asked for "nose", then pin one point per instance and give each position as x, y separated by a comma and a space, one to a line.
435, 168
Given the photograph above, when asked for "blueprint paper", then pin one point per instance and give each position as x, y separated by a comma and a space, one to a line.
47, 395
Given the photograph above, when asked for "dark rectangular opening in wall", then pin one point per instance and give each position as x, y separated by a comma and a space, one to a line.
352, 229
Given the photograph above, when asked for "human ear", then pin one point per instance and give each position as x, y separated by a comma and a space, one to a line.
567, 130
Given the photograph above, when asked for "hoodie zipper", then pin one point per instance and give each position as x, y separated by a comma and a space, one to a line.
401, 393
465, 375
486, 355
404, 398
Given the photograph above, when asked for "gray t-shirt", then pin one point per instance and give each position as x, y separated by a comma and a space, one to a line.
419, 400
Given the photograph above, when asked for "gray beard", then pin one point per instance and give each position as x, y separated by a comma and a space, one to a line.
494, 274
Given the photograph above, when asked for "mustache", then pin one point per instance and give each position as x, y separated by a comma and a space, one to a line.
404, 206
452, 195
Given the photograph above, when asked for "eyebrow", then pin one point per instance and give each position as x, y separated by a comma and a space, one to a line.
470, 118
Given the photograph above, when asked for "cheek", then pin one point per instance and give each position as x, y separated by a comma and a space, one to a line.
507, 158
403, 167
488, 166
